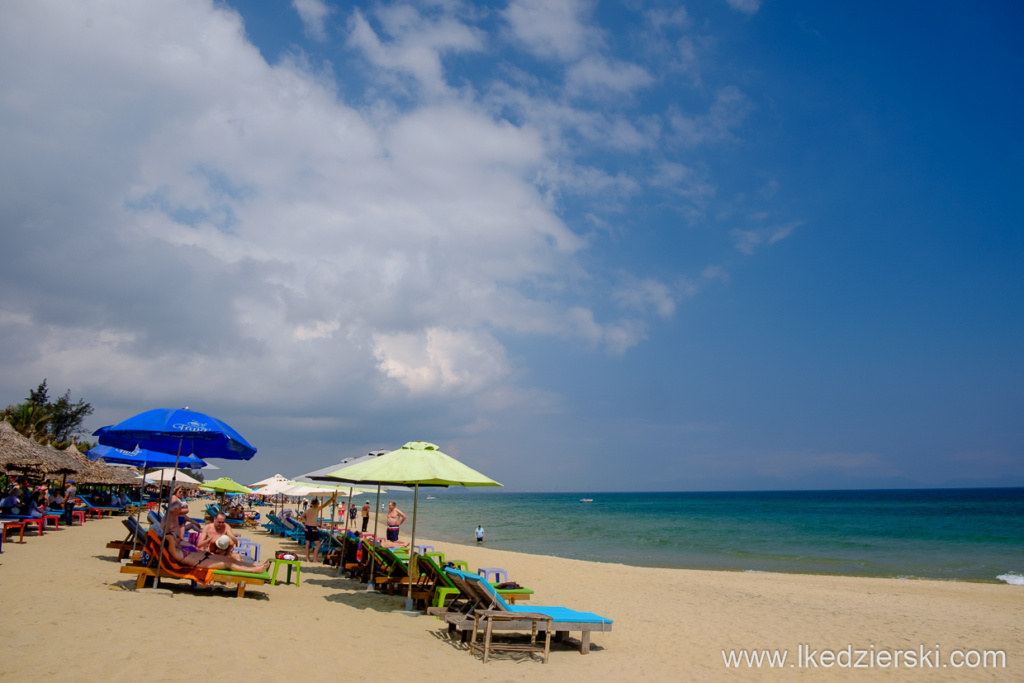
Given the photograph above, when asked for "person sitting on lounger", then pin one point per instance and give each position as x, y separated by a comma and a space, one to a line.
209, 560
211, 532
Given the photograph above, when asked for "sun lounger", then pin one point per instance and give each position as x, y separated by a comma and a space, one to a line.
136, 537
442, 587
111, 509
173, 570
484, 597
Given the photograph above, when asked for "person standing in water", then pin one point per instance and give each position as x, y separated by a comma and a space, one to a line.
479, 534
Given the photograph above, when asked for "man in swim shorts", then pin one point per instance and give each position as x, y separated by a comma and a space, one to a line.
395, 519
311, 520
366, 516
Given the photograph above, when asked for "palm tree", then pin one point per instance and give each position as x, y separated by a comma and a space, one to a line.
30, 420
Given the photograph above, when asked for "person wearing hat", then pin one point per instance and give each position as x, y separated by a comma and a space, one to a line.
69, 501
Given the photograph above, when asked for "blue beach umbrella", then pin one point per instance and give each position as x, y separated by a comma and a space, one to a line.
177, 430
141, 457
170, 430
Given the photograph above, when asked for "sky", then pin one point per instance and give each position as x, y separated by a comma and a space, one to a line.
580, 245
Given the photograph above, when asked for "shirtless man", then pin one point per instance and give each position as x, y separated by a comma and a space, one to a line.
366, 516
395, 519
311, 520
211, 532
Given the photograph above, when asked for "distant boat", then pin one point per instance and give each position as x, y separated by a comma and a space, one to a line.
431, 497
586, 500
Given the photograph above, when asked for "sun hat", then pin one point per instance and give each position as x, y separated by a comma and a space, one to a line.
224, 542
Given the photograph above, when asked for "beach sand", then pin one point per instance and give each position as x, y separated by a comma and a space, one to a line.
69, 614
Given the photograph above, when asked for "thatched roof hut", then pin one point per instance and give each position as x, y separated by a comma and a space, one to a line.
21, 454
99, 472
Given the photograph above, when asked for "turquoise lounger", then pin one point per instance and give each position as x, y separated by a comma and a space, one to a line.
485, 597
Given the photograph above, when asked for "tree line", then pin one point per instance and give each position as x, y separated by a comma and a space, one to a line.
49, 421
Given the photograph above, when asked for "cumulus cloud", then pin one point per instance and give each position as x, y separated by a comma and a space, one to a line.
185, 217
314, 15
414, 43
552, 29
610, 78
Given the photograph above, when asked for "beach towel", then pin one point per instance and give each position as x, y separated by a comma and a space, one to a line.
171, 566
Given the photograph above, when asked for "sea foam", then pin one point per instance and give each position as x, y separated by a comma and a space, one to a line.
1012, 579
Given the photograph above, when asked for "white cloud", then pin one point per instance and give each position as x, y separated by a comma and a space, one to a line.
745, 6
643, 293
597, 75
748, 241
552, 29
270, 242
416, 43
440, 362
724, 115
314, 15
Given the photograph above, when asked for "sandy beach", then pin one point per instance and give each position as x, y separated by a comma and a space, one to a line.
69, 614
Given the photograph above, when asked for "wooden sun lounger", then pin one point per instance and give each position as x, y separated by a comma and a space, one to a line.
219, 576
484, 598
146, 571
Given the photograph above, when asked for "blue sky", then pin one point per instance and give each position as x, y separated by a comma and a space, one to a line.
581, 246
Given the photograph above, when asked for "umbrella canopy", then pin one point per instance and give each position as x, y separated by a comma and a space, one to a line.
417, 463
225, 485
300, 488
181, 430
268, 481
323, 474
141, 457
169, 474
19, 452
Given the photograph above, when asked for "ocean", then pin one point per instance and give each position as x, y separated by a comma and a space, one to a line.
952, 534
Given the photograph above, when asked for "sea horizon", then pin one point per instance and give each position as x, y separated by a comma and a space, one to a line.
967, 534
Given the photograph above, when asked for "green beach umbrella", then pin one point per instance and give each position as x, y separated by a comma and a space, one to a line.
415, 464
225, 485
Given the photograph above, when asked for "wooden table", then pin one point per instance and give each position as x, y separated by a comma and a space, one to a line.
489, 617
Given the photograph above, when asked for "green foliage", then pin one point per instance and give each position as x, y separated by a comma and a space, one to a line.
29, 420
40, 419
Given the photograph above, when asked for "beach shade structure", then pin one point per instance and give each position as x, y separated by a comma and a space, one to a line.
22, 454
225, 485
143, 458
268, 481
415, 464
323, 473
169, 474
99, 472
177, 430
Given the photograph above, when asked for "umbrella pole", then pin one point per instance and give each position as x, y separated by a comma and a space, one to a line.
373, 554
160, 557
138, 511
412, 547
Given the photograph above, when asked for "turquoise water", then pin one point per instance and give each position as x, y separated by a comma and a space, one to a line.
957, 534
